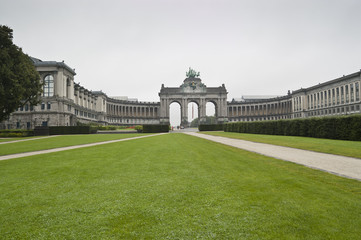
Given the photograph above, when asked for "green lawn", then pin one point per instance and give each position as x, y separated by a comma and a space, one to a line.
16, 138
338, 147
173, 186
59, 141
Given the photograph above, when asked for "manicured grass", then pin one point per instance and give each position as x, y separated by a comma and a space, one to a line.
16, 138
59, 141
173, 186
338, 147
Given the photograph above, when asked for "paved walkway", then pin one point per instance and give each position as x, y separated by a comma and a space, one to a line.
26, 154
23, 140
339, 165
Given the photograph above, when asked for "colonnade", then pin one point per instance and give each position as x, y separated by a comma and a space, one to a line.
126, 110
245, 111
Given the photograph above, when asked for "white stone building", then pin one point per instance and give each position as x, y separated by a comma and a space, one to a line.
66, 103
340, 96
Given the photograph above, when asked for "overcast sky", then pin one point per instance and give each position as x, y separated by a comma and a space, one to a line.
129, 48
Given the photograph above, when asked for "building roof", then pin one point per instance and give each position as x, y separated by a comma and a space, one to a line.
344, 77
254, 98
124, 98
259, 98
39, 63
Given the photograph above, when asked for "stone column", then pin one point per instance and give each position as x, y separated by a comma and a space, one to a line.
184, 112
202, 110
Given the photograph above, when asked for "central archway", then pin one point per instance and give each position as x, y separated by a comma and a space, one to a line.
193, 90
175, 114
193, 113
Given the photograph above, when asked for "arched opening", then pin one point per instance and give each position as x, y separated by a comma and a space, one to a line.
193, 114
175, 114
211, 117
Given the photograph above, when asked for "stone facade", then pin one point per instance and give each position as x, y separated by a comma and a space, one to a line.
65, 103
260, 109
123, 112
340, 96
193, 90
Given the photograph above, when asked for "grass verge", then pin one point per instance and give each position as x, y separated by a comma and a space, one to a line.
338, 147
173, 186
59, 141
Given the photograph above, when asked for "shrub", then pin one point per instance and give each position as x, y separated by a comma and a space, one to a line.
61, 130
155, 128
344, 127
210, 127
139, 128
16, 133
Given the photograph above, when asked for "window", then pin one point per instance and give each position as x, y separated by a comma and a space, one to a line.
346, 90
68, 85
338, 96
26, 107
318, 100
44, 123
357, 91
308, 101
351, 91
48, 86
17, 125
321, 99
314, 101
342, 100
48, 105
329, 97
42, 106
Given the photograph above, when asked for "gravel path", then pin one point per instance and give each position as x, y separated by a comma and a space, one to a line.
344, 166
26, 154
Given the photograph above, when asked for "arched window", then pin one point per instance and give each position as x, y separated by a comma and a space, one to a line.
48, 86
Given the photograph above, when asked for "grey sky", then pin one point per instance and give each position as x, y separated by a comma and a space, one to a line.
129, 48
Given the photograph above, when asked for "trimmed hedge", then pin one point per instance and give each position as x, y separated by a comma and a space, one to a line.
342, 127
210, 127
16, 133
61, 130
155, 128
41, 131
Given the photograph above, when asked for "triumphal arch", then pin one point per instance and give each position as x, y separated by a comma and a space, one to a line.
193, 90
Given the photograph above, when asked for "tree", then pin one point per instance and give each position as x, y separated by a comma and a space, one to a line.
19, 81
209, 120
